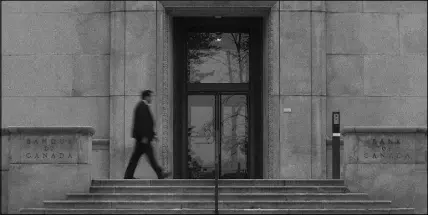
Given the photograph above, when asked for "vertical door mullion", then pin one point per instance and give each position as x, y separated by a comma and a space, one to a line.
216, 140
220, 130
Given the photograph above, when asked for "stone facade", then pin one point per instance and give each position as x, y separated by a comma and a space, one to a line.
85, 62
43, 163
388, 163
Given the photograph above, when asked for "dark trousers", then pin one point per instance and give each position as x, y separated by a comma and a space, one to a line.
139, 150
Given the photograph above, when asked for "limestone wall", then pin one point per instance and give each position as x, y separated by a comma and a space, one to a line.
55, 64
377, 62
387, 163
46, 163
100, 159
364, 59
138, 29
300, 85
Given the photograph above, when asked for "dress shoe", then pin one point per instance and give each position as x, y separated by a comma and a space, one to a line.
164, 175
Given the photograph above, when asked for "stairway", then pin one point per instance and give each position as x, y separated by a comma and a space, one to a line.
237, 196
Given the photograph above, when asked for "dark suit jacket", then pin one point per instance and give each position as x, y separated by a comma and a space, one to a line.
143, 122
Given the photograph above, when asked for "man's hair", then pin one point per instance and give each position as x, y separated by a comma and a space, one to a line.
146, 93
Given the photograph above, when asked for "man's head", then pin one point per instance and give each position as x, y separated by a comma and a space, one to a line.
147, 96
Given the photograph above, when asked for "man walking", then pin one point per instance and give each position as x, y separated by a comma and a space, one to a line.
143, 133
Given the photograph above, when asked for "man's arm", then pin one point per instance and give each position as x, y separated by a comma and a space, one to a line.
144, 120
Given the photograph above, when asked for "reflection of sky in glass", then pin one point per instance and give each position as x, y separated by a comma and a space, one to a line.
201, 113
224, 63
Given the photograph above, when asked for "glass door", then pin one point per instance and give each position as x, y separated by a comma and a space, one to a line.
217, 120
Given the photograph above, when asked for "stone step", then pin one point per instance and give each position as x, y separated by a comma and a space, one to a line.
221, 211
222, 196
222, 189
211, 182
241, 204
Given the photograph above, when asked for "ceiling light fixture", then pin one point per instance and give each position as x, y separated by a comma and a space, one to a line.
218, 36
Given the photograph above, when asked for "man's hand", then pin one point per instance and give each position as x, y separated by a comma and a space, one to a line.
145, 140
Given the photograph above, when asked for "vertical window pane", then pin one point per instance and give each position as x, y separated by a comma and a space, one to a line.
201, 148
234, 136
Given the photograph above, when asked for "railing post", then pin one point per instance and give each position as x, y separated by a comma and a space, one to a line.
336, 146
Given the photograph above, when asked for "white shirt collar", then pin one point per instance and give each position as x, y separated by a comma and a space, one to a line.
145, 102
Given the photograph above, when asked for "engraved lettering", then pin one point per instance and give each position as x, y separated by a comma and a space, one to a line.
398, 155
386, 150
47, 148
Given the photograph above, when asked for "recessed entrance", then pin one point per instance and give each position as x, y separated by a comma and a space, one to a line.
217, 97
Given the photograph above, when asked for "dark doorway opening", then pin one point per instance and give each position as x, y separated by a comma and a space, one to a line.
217, 97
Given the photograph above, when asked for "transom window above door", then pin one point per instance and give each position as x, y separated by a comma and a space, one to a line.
218, 57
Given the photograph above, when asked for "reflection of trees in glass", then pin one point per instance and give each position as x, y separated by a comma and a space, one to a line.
194, 164
242, 43
237, 141
202, 46
199, 45
233, 142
